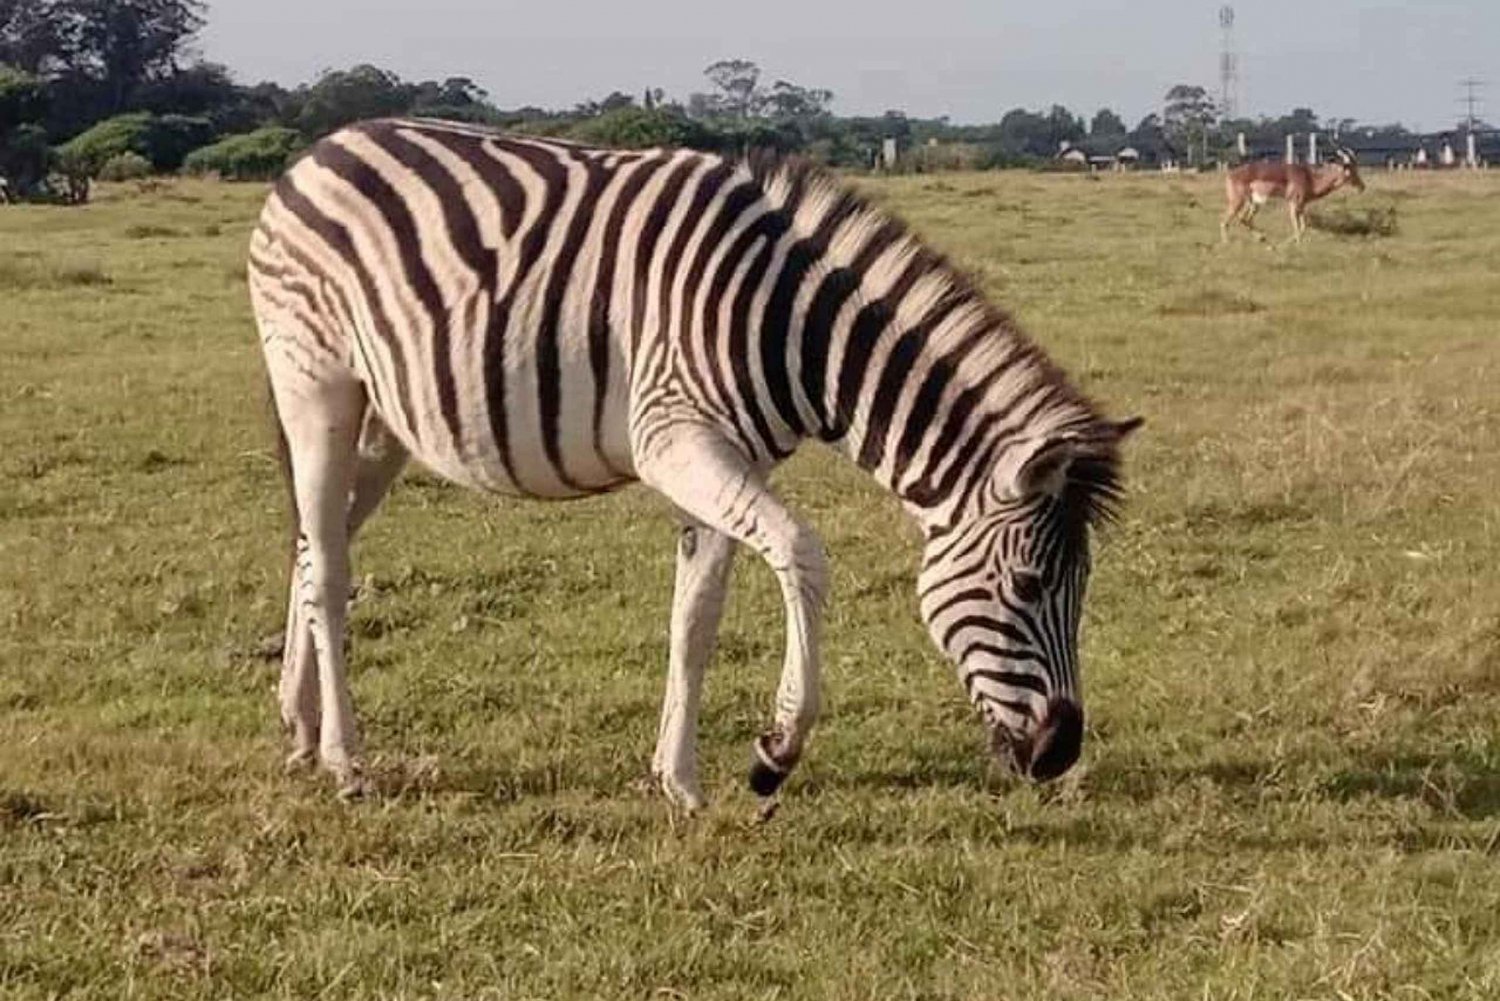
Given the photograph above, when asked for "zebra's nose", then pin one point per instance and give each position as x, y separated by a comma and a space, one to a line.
1058, 741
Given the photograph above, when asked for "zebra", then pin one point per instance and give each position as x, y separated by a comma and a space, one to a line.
535, 318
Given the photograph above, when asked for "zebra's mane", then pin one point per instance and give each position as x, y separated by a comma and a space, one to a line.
1094, 489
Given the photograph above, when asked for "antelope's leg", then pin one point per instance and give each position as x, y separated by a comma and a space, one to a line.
697, 469
704, 559
1247, 219
1230, 215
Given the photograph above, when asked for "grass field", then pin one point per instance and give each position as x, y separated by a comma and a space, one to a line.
1291, 786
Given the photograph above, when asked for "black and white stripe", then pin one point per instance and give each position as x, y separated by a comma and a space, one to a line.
536, 318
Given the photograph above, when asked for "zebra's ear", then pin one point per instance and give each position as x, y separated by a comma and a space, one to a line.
1036, 466
1040, 465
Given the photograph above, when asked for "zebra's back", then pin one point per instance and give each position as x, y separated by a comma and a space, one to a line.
483, 288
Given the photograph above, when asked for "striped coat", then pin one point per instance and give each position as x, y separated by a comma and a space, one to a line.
534, 318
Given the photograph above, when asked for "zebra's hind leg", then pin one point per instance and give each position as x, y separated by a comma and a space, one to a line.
380, 460
321, 421
704, 559
697, 469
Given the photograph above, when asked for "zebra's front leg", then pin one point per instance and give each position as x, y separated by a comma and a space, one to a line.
708, 478
704, 559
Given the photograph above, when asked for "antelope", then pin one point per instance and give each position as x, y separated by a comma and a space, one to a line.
1250, 185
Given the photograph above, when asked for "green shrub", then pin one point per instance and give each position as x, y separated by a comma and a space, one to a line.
88, 152
170, 138
163, 140
125, 167
250, 156
25, 158
642, 128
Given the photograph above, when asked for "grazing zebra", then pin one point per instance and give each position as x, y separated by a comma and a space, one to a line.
539, 319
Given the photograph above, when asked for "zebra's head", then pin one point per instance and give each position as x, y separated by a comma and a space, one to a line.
1002, 590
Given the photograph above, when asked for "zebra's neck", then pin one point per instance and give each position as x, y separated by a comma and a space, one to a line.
905, 367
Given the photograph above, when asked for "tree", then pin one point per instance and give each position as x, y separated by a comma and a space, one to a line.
456, 97
34, 35
613, 101
791, 102
23, 99
1106, 123
24, 153
738, 84
1188, 116
196, 90
461, 90
1300, 120
25, 159
124, 43
1062, 127
343, 96
1031, 134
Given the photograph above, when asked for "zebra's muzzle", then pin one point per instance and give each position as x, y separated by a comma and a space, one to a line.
1053, 748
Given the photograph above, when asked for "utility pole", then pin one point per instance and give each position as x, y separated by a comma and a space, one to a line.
1471, 101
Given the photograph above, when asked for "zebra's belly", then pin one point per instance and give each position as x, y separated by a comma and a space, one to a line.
547, 429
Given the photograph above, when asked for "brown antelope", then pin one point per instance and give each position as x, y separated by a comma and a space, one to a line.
1250, 185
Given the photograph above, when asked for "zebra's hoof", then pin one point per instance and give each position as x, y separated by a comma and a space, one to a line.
299, 761
766, 773
353, 788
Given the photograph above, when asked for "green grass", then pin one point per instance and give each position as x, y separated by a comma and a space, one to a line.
1291, 786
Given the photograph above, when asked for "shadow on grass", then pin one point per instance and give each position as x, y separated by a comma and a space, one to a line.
497, 783
1459, 783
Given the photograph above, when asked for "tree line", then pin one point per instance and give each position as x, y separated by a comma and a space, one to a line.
111, 88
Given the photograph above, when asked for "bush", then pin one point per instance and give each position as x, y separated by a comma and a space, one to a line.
125, 167
162, 140
1345, 222
25, 158
170, 138
88, 152
251, 156
643, 128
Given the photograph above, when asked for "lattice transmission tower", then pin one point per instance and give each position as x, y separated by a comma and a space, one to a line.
1229, 66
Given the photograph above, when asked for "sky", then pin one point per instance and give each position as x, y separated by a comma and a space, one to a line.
969, 59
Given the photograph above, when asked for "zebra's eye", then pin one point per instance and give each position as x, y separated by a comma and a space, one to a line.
1027, 587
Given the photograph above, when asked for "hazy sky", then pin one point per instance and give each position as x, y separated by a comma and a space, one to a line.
971, 59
